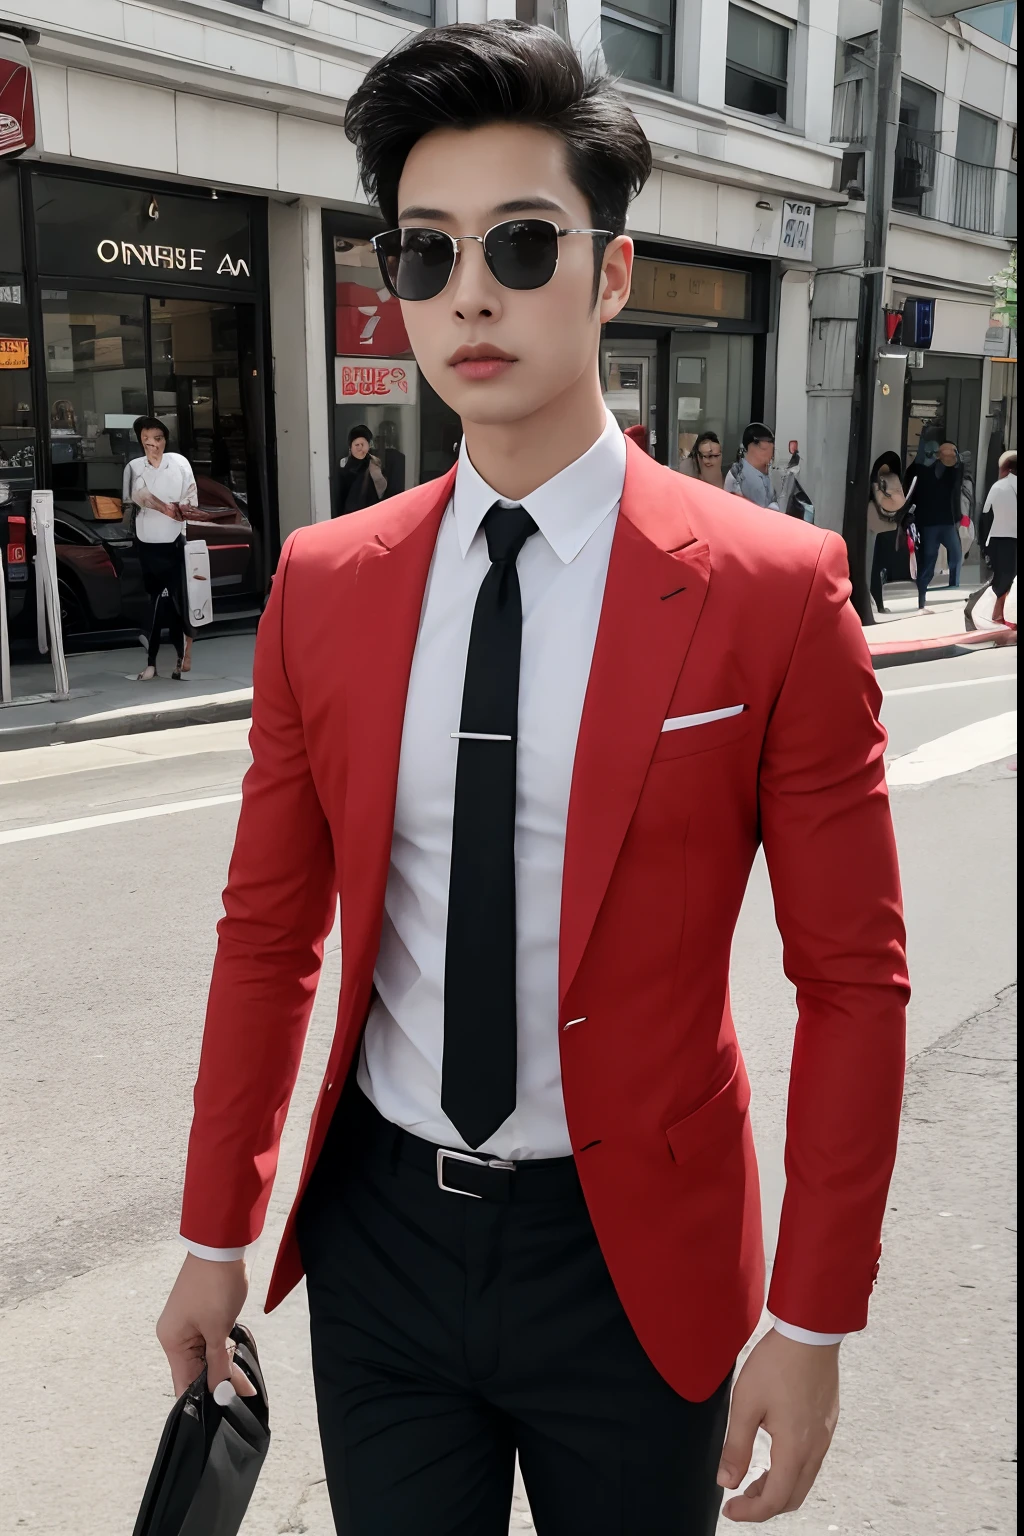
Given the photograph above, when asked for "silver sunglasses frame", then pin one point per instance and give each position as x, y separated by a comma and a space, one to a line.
456, 242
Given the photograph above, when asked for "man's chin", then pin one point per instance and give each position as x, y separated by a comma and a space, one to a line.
495, 403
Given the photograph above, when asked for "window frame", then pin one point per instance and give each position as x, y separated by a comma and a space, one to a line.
791, 30
668, 32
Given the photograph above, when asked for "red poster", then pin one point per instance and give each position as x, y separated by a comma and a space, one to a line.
17, 108
367, 324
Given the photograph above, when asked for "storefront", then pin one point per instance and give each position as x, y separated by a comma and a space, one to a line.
127, 300
373, 379
687, 354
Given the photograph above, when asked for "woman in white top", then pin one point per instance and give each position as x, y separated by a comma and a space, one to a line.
1002, 536
162, 486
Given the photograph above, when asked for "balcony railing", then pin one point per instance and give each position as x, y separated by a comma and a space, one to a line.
938, 186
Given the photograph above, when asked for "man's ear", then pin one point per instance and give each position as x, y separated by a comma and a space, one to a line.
615, 277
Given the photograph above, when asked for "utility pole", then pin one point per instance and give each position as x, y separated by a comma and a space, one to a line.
881, 161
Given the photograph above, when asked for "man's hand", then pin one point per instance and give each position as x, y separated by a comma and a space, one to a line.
201, 1311
792, 1391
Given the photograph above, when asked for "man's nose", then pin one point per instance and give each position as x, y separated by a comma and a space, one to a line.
475, 292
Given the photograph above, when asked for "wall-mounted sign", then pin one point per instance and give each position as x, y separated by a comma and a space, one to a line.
10, 293
13, 352
797, 236
90, 229
380, 380
17, 106
367, 319
665, 288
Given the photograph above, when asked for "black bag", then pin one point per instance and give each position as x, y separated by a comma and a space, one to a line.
209, 1457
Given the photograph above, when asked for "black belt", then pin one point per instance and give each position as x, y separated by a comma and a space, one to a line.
470, 1174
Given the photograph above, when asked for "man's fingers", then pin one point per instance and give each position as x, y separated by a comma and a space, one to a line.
744, 1422
770, 1494
240, 1381
218, 1362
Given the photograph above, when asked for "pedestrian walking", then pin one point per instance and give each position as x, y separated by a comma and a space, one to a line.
162, 486
484, 717
706, 458
361, 483
887, 505
938, 515
1001, 544
749, 476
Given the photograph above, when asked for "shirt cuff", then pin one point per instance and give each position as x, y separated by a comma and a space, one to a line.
806, 1335
219, 1255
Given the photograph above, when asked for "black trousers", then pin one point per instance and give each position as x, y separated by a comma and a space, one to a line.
450, 1333
163, 571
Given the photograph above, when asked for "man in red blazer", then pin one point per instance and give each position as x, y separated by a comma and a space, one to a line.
530, 724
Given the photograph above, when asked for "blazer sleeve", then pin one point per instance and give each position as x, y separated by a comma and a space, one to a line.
279, 906
831, 855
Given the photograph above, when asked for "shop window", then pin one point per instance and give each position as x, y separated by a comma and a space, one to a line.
756, 64
95, 361
638, 41
17, 423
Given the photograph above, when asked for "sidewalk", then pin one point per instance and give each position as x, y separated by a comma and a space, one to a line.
904, 634
107, 700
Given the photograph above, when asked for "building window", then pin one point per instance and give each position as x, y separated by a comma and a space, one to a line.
976, 138
994, 20
638, 41
756, 64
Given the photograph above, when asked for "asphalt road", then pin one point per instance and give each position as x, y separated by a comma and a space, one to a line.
108, 938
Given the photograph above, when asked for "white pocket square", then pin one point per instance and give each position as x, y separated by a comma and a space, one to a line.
683, 722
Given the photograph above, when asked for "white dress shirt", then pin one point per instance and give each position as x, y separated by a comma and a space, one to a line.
1002, 503
170, 480
562, 572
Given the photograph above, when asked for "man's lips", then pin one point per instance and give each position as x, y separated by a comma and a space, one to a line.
478, 363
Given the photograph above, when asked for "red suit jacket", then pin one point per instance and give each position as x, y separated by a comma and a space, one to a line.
709, 603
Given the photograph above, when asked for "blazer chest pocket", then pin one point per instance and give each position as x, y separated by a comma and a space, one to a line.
684, 735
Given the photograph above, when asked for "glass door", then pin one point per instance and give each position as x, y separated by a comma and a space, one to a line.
628, 375
199, 393
711, 382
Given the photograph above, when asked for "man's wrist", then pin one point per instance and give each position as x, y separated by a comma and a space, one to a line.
805, 1335
217, 1255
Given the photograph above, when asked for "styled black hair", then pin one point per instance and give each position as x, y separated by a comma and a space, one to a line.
470, 75
153, 424
757, 432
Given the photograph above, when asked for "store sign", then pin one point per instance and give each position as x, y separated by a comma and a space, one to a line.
90, 229
169, 258
667, 288
797, 237
10, 293
13, 352
17, 107
384, 381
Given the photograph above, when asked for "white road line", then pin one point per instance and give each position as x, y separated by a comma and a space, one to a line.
986, 741
960, 682
112, 818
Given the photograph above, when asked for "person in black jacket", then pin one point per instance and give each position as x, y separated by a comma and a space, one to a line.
937, 515
362, 482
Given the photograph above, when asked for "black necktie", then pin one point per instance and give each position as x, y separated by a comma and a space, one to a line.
478, 1079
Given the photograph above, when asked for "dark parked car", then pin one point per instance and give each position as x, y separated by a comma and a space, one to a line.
98, 573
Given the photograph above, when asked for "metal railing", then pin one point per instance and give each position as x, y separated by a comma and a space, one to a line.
941, 187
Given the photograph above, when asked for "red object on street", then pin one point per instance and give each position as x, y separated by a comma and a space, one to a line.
663, 828
17, 108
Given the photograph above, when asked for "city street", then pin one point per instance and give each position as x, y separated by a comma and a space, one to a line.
109, 936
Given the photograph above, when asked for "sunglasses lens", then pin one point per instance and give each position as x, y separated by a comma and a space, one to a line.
522, 253
415, 263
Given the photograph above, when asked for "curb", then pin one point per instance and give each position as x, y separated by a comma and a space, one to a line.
209, 712
901, 653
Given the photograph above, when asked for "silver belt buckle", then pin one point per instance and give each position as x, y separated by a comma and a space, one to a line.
466, 1157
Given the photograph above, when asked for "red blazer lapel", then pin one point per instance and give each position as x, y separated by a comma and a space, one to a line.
385, 613
657, 581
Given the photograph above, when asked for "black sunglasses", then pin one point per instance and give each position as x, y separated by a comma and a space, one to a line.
521, 253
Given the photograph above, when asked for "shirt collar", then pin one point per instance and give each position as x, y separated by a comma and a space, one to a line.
567, 509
